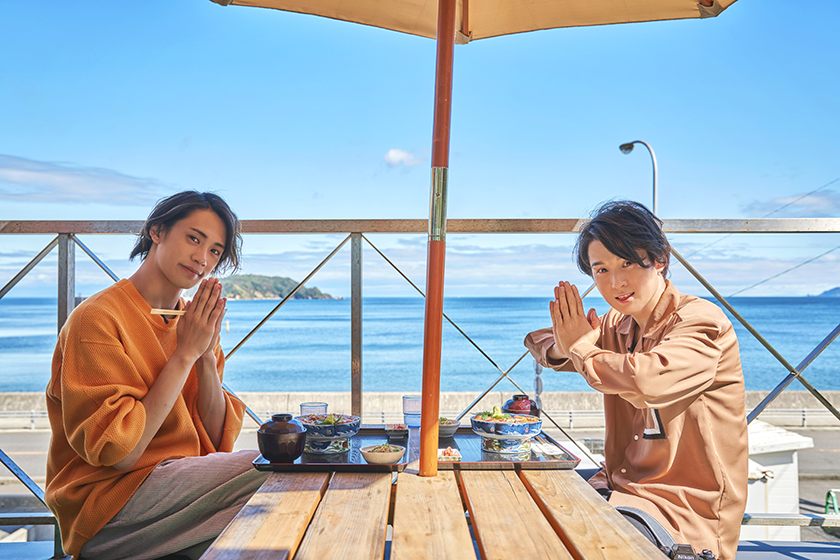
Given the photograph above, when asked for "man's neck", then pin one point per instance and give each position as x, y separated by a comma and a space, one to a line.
155, 288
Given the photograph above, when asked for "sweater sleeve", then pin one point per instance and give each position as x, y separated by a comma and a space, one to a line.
680, 367
234, 413
101, 391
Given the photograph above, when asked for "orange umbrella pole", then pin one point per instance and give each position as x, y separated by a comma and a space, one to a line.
436, 252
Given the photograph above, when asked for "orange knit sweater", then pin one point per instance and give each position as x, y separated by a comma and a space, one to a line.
108, 355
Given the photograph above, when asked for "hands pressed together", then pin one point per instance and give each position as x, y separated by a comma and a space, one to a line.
569, 323
199, 328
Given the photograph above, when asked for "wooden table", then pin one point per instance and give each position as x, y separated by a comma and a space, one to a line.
528, 514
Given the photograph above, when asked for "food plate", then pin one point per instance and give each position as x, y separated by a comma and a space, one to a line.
544, 453
377, 455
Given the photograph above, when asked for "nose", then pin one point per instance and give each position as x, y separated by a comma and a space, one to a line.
200, 256
618, 280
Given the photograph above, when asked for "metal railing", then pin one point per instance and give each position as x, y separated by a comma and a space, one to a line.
67, 231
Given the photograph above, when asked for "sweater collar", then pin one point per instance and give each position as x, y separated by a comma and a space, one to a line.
157, 321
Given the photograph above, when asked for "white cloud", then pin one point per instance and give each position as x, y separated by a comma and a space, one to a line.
396, 157
26, 180
824, 204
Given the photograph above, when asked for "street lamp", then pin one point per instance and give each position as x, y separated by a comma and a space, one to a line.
627, 148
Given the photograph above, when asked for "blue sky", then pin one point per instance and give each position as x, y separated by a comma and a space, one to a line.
105, 107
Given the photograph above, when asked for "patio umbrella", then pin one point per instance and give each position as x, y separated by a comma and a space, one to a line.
462, 21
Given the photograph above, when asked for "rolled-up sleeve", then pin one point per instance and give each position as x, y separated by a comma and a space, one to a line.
538, 344
681, 366
234, 413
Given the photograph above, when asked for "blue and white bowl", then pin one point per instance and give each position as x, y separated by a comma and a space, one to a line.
348, 428
517, 446
324, 446
507, 430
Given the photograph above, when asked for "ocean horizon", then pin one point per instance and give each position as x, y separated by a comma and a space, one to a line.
305, 346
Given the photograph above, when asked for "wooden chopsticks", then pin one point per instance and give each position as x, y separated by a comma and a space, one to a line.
168, 311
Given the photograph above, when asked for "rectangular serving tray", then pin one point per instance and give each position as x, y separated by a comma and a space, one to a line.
464, 440
349, 461
468, 443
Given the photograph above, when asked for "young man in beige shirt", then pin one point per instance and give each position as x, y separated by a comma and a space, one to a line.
669, 368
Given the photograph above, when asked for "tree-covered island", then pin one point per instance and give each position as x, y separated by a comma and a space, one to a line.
253, 286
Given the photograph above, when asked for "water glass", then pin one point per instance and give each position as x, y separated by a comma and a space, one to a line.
411, 410
307, 408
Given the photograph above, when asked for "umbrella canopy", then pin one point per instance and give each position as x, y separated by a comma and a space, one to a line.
479, 19
460, 21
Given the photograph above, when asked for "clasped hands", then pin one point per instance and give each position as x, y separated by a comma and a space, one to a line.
569, 323
199, 328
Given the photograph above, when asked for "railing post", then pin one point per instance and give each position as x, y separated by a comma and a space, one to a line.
66, 277
356, 324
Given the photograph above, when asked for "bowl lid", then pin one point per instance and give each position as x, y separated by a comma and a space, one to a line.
282, 423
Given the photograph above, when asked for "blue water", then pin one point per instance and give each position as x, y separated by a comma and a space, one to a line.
306, 345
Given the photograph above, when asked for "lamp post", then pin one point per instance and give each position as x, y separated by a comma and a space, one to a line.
626, 149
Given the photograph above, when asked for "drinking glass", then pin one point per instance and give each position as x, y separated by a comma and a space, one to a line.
313, 408
411, 410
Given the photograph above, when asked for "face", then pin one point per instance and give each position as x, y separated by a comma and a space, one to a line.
191, 249
629, 288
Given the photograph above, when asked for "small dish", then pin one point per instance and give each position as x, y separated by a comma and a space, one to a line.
381, 457
449, 455
447, 427
396, 431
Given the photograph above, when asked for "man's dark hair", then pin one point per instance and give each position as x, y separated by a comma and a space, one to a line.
624, 227
170, 210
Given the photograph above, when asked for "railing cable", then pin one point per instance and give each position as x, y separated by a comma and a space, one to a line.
755, 333
95, 259
25, 270
289, 296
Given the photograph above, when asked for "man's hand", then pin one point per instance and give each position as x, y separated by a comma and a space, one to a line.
569, 323
199, 328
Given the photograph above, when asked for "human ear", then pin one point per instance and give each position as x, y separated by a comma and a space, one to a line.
155, 234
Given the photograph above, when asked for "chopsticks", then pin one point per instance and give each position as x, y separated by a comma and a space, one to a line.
168, 311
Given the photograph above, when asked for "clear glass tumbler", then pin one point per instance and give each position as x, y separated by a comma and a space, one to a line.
411, 410
313, 408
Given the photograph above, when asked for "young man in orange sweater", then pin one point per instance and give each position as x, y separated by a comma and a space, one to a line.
139, 464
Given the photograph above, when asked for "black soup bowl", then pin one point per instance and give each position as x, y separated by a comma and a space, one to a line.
281, 439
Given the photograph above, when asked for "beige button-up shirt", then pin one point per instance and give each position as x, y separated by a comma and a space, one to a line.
676, 429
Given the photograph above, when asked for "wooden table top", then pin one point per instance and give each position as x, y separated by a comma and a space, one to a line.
512, 514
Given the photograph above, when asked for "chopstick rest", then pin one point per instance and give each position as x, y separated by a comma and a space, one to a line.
168, 311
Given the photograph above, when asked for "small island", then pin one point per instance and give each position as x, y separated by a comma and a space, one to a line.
833, 292
253, 286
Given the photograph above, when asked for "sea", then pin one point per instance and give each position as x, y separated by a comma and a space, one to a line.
305, 346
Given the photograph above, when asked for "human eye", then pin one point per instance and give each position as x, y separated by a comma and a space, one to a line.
216, 252
600, 270
193, 238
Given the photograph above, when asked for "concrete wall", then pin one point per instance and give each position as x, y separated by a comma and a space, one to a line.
387, 406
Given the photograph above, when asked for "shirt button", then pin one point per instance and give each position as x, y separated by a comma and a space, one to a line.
636, 437
623, 471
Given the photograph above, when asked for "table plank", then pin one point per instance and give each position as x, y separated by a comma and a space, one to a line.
506, 520
351, 520
585, 521
273, 521
429, 520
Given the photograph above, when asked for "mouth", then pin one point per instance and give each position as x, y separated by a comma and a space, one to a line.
626, 297
192, 271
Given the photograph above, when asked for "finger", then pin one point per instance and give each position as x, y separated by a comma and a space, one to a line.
214, 292
594, 320
578, 302
201, 296
562, 303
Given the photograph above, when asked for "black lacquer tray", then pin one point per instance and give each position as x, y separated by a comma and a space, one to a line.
465, 441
